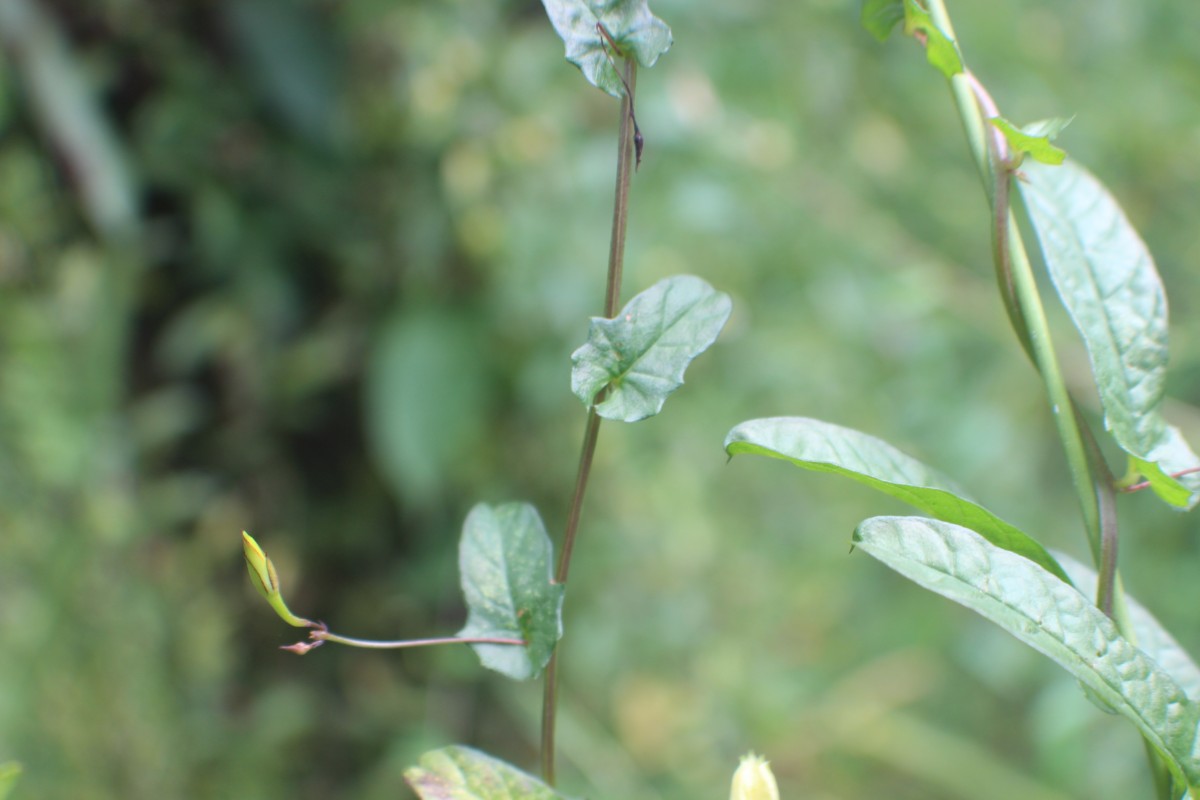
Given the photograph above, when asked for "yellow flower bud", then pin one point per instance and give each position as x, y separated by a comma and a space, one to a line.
263, 576
754, 780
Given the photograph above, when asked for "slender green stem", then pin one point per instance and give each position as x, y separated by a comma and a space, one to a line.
612, 297
1094, 485
1015, 260
326, 636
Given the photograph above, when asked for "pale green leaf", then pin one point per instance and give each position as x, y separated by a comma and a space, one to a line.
940, 49
1152, 638
641, 355
461, 773
824, 447
1034, 139
630, 24
10, 771
504, 565
1107, 280
880, 17
1048, 615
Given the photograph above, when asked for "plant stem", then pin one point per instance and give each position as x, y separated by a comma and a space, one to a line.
612, 297
326, 636
1094, 485
1013, 259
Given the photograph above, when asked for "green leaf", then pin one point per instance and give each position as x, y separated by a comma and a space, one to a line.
427, 396
880, 17
940, 49
1034, 139
460, 773
630, 24
1152, 638
1107, 280
504, 565
10, 771
824, 447
1048, 615
640, 356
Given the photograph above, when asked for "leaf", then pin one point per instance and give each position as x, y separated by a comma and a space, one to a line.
1048, 615
824, 447
427, 394
1034, 138
504, 565
461, 773
1107, 280
630, 24
640, 356
879, 17
10, 771
1152, 638
940, 49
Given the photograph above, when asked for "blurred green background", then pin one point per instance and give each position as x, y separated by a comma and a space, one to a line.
314, 269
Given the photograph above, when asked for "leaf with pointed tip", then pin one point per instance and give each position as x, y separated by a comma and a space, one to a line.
940, 49
1051, 617
462, 773
824, 447
630, 24
641, 355
1107, 280
1152, 638
504, 565
1034, 139
880, 17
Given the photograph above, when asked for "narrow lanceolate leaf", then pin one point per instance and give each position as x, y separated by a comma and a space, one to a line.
1152, 638
824, 447
1034, 139
632, 27
504, 564
1048, 615
640, 356
460, 773
1107, 280
880, 17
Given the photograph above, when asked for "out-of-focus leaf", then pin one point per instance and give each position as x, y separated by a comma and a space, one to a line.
940, 49
1107, 280
1048, 615
880, 17
426, 395
630, 24
9, 773
69, 110
296, 62
504, 565
824, 447
461, 773
641, 355
1152, 638
1034, 138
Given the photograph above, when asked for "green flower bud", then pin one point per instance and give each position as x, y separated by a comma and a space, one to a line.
263, 576
754, 780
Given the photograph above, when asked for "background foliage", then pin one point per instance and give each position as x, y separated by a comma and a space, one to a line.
316, 269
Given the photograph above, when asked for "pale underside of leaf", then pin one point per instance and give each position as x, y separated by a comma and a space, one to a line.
461, 773
635, 30
1106, 278
1050, 616
640, 356
504, 564
824, 447
1152, 638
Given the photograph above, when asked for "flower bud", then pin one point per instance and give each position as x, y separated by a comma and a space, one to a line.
263, 576
754, 780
